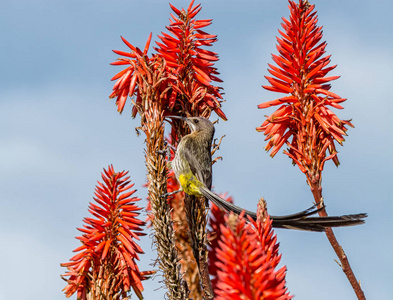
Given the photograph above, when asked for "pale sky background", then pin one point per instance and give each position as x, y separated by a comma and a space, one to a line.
59, 130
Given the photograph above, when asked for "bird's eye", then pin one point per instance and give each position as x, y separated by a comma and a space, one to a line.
196, 121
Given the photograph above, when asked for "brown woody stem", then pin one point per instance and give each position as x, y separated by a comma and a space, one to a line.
345, 266
162, 221
197, 220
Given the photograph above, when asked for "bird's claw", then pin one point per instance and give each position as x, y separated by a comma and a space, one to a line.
163, 151
166, 195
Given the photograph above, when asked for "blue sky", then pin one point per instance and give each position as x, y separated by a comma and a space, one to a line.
59, 129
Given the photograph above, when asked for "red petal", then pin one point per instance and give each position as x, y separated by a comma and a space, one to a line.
106, 248
132, 55
128, 44
175, 9
190, 6
147, 44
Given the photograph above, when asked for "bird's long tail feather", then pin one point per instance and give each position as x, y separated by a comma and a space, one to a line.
299, 221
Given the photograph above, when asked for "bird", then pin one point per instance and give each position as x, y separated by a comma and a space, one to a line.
192, 166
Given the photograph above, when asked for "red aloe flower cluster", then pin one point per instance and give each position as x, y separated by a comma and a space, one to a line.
191, 65
105, 264
304, 114
184, 70
130, 80
247, 258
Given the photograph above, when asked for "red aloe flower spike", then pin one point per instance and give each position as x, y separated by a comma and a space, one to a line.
106, 263
303, 121
252, 246
127, 83
192, 66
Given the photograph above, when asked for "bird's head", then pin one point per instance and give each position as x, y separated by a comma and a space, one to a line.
198, 124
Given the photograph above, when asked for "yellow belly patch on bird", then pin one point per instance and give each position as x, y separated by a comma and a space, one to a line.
190, 184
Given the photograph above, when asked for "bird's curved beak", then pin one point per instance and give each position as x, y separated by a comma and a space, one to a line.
177, 117
187, 120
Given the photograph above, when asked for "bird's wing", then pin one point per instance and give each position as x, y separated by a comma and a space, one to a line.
199, 160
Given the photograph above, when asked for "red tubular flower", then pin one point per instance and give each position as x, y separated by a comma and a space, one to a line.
247, 257
129, 81
106, 260
303, 121
190, 64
